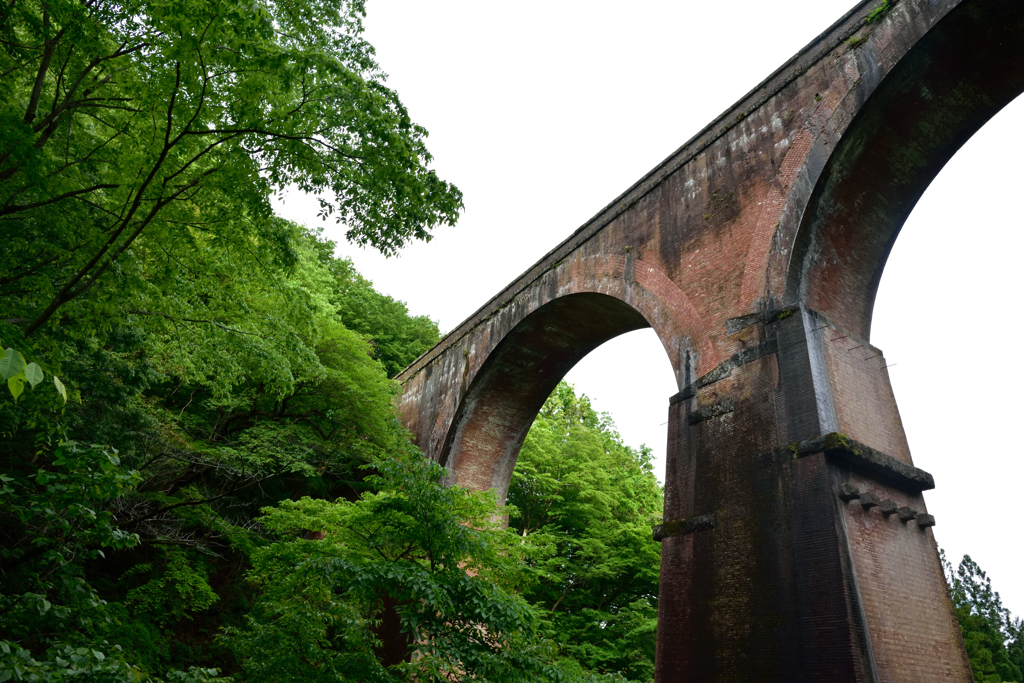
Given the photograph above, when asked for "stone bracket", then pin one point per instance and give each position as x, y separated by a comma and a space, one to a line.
712, 410
857, 457
684, 526
847, 493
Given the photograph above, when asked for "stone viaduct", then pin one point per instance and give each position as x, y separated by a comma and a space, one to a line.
796, 545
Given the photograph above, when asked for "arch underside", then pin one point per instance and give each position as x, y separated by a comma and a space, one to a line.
959, 75
522, 371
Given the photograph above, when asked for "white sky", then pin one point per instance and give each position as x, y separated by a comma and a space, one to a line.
544, 112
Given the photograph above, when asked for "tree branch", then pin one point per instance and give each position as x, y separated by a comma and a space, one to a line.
25, 207
192, 320
44, 65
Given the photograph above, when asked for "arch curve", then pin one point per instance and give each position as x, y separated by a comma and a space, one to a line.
954, 79
595, 296
498, 408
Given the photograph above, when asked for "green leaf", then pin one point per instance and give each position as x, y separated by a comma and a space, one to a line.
60, 388
16, 384
34, 374
11, 364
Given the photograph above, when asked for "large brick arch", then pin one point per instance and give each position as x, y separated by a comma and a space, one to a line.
520, 373
797, 544
470, 408
906, 125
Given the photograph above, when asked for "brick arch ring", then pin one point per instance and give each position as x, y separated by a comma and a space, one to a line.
571, 310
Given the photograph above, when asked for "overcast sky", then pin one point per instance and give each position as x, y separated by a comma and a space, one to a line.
544, 112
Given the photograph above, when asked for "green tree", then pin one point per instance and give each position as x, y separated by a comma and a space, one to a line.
412, 582
252, 393
172, 122
991, 635
204, 471
202, 339
397, 338
586, 504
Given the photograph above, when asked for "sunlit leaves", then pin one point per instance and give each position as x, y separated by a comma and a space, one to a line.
33, 373
60, 388
585, 504
178, 118
17, 385
11, 364
17, 372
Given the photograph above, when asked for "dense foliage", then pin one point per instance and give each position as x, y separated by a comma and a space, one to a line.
993, 638
201, 471
135, 134
426, 561
586, 503
396, 336
139, 549
266, 530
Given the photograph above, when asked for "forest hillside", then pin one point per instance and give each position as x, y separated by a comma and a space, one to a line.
202, 473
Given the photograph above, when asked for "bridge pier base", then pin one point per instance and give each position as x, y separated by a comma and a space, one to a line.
796, 544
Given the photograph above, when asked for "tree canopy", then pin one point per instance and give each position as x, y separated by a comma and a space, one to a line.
586, 503
425, 562
202, 425
993, 637
175, 121
202, 474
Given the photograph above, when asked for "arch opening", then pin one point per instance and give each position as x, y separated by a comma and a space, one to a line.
944, 308
959, 75
630, 378
499, 407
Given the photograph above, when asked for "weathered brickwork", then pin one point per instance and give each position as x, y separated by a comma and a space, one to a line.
897, 569
796, 545
865, 405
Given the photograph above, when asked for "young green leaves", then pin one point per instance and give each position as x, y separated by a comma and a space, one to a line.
17, 372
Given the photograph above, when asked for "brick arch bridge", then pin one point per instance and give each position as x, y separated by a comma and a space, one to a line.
796, 545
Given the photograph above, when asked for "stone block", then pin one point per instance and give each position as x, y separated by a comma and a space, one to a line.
848, 492
869, 500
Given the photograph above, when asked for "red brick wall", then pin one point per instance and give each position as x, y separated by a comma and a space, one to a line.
915, 637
